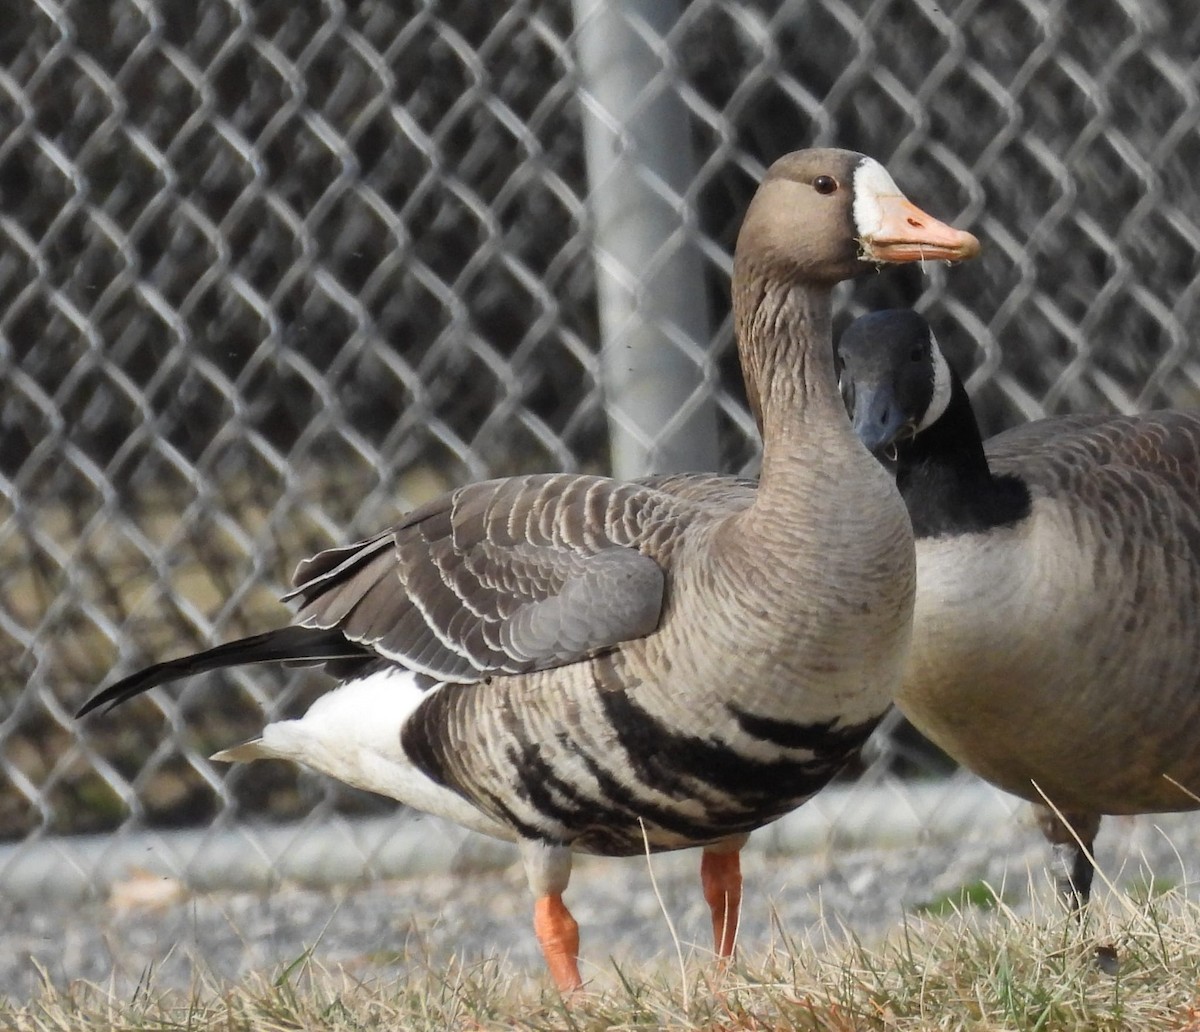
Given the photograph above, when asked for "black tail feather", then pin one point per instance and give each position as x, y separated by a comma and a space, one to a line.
287, 644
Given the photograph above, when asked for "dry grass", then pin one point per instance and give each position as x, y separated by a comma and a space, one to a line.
978, 970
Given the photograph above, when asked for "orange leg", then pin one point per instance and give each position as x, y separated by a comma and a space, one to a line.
721, 878
559, 937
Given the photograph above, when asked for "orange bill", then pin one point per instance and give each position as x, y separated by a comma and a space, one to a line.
905, 233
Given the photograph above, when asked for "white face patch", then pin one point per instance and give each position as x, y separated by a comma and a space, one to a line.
871, 182
942, 386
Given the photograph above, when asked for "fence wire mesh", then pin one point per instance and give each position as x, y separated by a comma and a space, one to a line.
272, 273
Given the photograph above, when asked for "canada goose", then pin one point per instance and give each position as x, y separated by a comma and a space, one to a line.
580, 664
1056, 634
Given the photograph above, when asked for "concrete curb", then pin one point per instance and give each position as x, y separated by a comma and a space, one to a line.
337, 851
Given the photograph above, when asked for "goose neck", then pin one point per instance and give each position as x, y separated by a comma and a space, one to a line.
945, 479
785, 343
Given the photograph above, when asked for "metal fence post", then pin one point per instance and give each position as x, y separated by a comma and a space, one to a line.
653, 304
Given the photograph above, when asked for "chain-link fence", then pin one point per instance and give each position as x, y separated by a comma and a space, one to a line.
273, 272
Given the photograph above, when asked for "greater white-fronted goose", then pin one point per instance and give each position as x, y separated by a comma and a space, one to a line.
1056, 634
580, 664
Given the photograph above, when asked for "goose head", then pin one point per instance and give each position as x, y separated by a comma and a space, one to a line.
819, 217
894, 379
822, 216
908, 406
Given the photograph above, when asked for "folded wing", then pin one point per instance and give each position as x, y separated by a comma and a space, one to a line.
500, 577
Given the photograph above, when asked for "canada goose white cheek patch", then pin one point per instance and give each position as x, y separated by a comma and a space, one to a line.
871, 182
939, 399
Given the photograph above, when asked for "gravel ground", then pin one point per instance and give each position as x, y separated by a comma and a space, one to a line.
386, 928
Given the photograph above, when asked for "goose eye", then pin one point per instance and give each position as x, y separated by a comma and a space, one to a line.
915, 355
825, 184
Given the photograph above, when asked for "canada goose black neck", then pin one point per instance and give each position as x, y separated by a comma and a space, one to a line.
944, 477
911, 409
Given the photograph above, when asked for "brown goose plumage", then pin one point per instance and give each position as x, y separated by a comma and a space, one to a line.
1056, 637
578, 663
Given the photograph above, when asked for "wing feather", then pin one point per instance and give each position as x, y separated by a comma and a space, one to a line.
503, 576
1080, 451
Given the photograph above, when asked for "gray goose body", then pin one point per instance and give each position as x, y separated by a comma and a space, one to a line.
581, 664
1056, 632
702, 725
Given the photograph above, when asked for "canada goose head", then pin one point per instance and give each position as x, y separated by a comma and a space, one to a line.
909, 407
894, 379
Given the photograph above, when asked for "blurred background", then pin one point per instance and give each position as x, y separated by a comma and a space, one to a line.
273, 272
